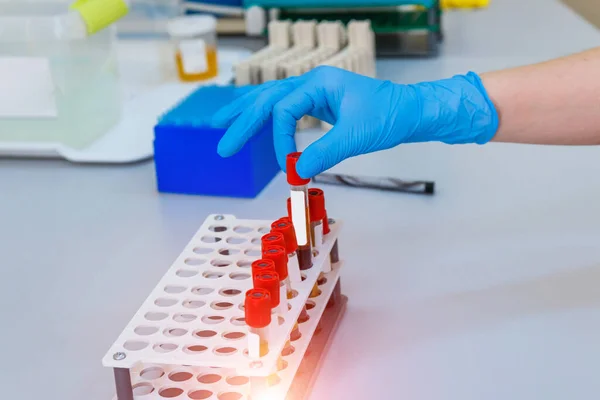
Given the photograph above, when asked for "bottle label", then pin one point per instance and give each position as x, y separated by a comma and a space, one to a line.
193, 56
299, 216
27, 89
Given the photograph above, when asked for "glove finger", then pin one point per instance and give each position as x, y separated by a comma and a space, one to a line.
300, 102
250, 120
326, 152
227, 114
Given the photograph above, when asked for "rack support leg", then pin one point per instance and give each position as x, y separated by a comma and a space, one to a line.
123, 384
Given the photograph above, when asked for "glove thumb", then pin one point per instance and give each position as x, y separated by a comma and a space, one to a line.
324, 153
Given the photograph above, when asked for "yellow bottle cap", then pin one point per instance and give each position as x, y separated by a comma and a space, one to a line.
98, 14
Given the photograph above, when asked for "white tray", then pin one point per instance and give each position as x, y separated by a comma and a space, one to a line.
149, 89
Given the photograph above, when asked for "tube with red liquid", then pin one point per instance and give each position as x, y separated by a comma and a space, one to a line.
285, 227
300, 211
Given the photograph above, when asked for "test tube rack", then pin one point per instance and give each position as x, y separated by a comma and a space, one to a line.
189, 339
296, 48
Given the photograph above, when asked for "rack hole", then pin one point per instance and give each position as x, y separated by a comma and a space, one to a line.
213, 274
228, 252
193, 303
225, 351
238, 321
264, 229
142, 389
202, 291
155, 316
236, 240
280, 320
288, 350
230, 396
195, 349
275, 379
200, 394
239, 276
244, 264
180, 376
242, 229
172, 289
184, 317
295, 336
145, 330
209, 378
316, 292
238, 380
210, 239
213, 319
202, 250
310, 305
195, 261
170, 392
315, 253
220, 263
186, 273
230, 292
165, 302
152, 373
205, 334
321, 281
135, 345
303, 276
304, 317
217, 228
293, 295
234, 335
165, 347
256, 241
253, 252
175, 332
221, 305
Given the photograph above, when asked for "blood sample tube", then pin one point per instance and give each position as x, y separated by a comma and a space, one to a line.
300, 211
269, 281
257, 308
272, 239
316, 201
260, 266
285, 227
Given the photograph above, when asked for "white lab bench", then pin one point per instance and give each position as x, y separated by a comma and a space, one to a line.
488, 290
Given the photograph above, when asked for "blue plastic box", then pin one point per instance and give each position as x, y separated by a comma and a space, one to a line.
185, 150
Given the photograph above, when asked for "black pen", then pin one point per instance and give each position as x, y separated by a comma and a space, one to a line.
387, 184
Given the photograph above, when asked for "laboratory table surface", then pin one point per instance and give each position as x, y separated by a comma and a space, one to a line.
487, 290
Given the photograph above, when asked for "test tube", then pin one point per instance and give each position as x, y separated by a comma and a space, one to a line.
279, 257
257, 309
285, 227
316, 201
269, 281
300, 211
260, 266
272, 239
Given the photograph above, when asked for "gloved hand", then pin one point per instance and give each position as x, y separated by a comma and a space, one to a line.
368, 115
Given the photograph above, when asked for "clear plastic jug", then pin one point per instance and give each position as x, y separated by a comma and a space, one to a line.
57, 83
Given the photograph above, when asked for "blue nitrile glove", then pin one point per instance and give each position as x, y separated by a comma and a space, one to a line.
368, 115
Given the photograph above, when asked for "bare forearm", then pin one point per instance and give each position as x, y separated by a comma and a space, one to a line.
556, 102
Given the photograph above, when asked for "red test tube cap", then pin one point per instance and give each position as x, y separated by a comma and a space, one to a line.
272, 239
285, 227
257, 308
292, 175
262, 265
316, 204
326, 228
279, 257
269, 281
